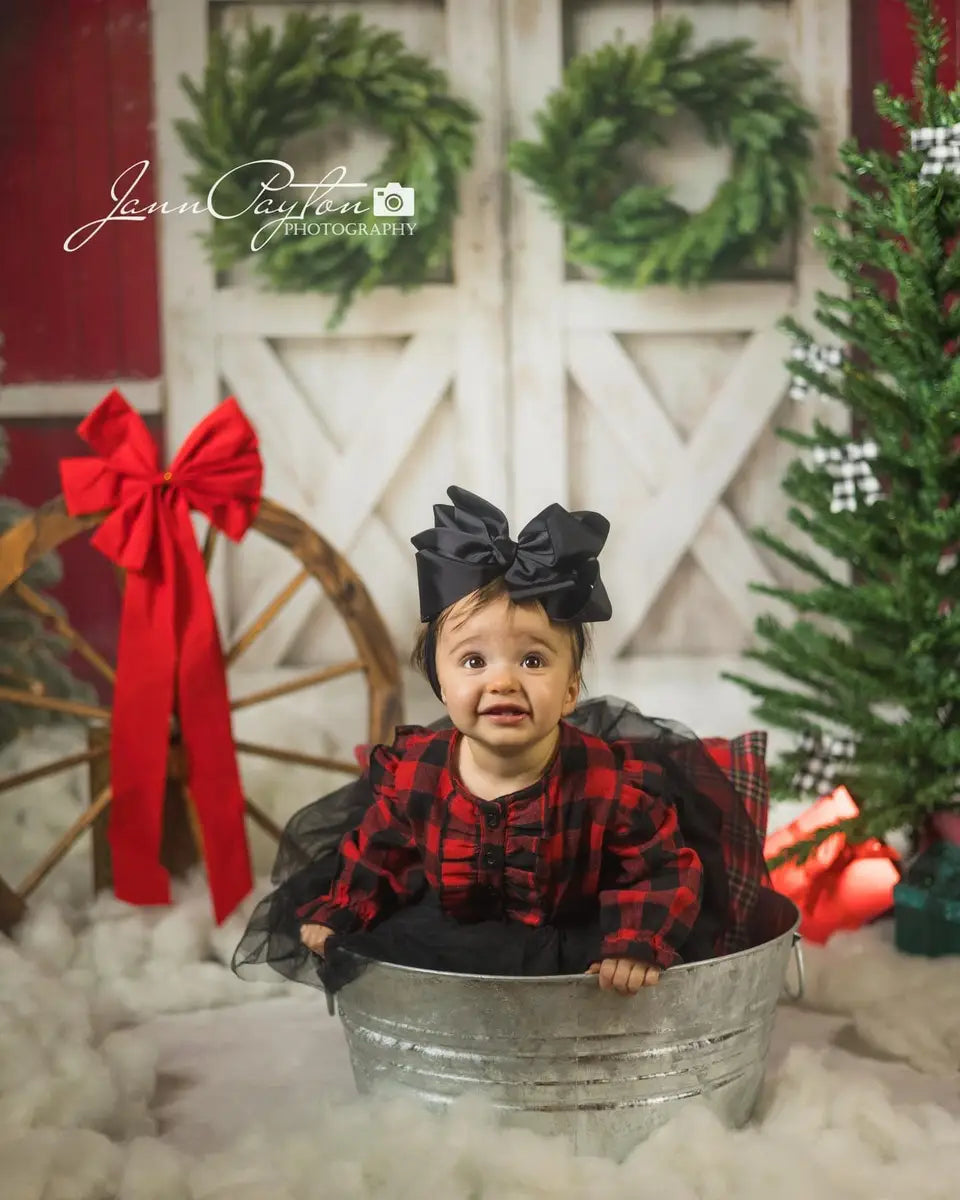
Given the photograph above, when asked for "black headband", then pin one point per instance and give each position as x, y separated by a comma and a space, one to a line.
553, 560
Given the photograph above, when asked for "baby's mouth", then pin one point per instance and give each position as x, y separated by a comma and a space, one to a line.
504, 712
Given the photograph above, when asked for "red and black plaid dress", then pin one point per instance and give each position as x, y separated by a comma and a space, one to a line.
595, 830
635, 843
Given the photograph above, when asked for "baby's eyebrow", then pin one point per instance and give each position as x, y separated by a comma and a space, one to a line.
458, 646
477, 642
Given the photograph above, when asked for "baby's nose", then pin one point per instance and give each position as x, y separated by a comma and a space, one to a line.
503, 679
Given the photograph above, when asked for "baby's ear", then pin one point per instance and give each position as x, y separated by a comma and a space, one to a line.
572, 696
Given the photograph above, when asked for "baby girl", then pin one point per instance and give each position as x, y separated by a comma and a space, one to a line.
513, 834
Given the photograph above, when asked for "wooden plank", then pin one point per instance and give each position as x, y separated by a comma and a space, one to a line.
623, 400
286, 425
98, 738
480, 393
240, 4
716, 308
385, 312
12, 908
386, 432
297, 453
186, 278
762, 21
590, 26
820, 52
540, 474
131, 137
666, 526
349, 490
76, 399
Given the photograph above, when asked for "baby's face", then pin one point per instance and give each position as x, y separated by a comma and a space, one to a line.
506, 673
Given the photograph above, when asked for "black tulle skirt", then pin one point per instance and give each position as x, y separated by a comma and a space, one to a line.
422, 935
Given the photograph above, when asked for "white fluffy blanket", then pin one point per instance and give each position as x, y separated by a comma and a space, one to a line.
110, 1016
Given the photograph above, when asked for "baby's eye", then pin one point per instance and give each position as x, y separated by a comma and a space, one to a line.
473, 662
533, 661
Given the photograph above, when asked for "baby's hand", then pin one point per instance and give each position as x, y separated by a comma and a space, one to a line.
624, 975
314, 936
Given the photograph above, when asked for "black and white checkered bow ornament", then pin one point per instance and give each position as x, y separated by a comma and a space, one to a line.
824, 757
942, 147
853, 477
821, 359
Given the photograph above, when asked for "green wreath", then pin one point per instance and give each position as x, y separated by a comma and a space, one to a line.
635, 234
259, 94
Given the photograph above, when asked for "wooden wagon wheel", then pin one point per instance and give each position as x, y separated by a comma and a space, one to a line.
51, 525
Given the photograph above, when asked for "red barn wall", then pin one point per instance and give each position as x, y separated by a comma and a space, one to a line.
77, 105
76, 109
881, 50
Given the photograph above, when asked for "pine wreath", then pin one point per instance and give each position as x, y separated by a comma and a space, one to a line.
258, 94
634, 234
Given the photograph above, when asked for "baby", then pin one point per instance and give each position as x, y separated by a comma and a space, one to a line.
514, 818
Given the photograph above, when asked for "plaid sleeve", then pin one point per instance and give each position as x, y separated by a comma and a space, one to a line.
654, 899
380, 859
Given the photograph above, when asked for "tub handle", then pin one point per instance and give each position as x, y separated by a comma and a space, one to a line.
798, 955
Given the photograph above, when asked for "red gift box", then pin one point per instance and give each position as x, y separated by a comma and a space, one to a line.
839, 886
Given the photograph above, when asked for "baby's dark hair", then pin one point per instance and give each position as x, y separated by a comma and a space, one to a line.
429, 635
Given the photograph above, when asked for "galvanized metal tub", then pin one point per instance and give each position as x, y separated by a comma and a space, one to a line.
557, 1055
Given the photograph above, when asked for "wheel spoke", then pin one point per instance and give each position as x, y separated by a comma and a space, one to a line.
193, 817
46, 865
294, 756
54, 704
209, 545
260, 818
296, 685
79, 643
62, 764
265, 617
12, 907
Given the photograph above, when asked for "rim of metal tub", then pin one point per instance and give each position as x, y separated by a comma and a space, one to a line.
590, 980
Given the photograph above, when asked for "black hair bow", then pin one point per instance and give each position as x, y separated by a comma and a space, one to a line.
553, 560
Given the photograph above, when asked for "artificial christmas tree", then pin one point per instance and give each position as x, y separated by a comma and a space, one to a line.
872, 660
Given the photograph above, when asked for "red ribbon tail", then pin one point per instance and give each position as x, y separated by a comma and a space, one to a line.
219, 804
204, 707
139, 741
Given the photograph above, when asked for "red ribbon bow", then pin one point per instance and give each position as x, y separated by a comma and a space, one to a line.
169, 656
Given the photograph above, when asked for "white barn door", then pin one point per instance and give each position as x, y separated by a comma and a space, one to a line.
658, 407
514, 377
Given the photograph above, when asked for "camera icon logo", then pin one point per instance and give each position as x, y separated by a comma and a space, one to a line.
393, 201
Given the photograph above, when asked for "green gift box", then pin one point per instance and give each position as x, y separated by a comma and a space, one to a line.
927, 903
